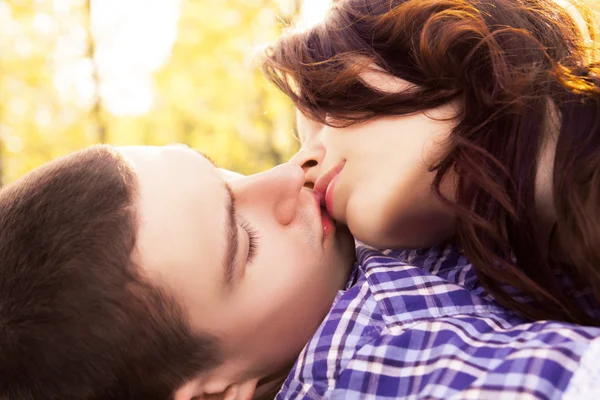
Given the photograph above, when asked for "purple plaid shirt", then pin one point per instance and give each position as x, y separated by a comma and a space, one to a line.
418, 325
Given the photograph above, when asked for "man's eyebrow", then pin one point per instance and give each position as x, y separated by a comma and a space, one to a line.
231, 237
207, 157
231, 241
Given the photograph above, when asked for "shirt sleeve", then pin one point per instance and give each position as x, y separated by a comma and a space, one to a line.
585, 384
443, 362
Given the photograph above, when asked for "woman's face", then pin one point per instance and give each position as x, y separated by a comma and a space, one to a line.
375, 176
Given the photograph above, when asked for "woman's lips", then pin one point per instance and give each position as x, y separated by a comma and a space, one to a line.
329, 195
324, 186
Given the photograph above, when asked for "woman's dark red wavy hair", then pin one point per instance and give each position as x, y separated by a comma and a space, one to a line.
508, 62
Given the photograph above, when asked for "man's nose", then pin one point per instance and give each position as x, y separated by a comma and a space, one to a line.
309, 157
278, 189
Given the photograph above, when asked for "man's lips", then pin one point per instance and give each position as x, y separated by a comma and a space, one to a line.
326, 221
323, 186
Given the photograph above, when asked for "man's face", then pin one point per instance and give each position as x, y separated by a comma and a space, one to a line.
249, 260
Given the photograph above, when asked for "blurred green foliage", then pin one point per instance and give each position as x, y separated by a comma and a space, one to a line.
68, 79
78, 72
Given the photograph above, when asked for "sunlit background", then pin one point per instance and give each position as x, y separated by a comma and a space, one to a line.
78, 72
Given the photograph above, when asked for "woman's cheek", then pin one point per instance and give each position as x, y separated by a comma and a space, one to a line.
370, 219
401, 220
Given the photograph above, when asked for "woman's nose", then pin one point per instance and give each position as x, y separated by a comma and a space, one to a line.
309, 159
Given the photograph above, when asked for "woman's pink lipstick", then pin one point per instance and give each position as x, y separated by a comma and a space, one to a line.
323, 188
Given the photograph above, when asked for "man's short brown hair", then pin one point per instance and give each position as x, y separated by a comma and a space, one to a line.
77, 321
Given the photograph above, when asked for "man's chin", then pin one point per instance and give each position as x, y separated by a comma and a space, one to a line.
346, 243
268, 387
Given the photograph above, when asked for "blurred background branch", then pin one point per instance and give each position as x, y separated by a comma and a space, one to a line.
96, 119
78, 72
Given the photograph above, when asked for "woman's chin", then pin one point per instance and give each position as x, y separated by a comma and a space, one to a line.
402, 236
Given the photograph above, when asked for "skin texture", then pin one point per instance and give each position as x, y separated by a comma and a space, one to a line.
280, 290
386, 172
393, 181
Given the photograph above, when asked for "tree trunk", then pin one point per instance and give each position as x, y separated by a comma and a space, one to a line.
97, 120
